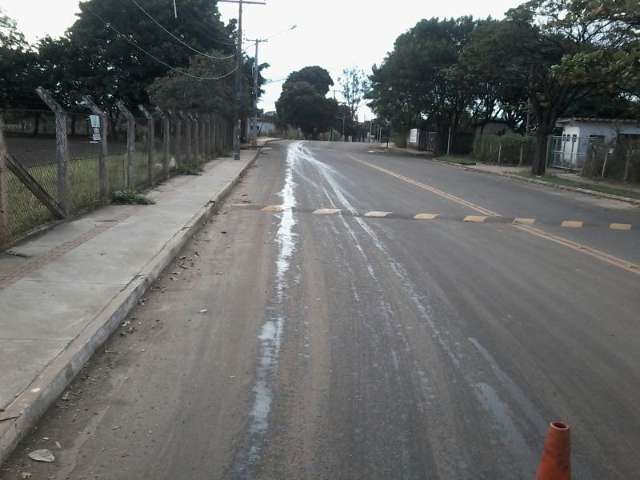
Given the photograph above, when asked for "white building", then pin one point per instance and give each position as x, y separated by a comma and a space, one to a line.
266, 127
570, 149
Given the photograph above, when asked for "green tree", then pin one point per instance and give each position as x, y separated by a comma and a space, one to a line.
192, 88
317, 76
418, 82
301, 105
484, 65
123, 46
551, 39
353, 86
17, 64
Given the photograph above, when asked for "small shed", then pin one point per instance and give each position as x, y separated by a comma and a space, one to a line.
569, 150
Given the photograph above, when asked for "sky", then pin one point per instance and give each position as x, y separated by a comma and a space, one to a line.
334, 34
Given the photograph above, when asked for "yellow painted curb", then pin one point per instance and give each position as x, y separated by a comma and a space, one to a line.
524, 221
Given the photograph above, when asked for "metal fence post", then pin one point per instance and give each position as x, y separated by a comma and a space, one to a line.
62, 149
4, 200
151, 142
131, 143
166, 141
103, 173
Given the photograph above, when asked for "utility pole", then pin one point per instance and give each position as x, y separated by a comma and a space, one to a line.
237, 120
256, 73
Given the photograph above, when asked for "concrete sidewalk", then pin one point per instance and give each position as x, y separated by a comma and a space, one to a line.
63, 293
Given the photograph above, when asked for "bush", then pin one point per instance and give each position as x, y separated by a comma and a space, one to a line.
188, 169
129, 197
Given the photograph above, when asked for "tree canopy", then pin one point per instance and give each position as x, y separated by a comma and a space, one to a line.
545, 59
303, 102
128, 50
317, 76
353, 86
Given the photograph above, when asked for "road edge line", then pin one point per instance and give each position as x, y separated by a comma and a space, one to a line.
23, 414
576, 246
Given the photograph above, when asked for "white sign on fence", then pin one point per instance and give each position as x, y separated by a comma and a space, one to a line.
413, 136
94, 121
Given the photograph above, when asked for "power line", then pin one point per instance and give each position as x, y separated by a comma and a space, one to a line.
178, 39
170, 67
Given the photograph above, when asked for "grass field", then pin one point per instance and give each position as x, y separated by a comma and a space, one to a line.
26, 212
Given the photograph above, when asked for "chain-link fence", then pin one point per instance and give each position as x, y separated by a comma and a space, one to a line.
504, 149
76, 163
616, 161
30, 139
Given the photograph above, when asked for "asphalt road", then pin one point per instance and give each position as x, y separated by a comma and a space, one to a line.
306, 344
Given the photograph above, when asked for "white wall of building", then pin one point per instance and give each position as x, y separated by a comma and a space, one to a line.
576, 136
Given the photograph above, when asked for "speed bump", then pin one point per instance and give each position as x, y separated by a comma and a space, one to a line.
572, 224
426, 216
475, 218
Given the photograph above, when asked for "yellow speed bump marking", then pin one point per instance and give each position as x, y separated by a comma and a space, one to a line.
326, 211
595, 253
625, 227
376, 214
524, 221
426, 216
572, 224
273, 208
475, 218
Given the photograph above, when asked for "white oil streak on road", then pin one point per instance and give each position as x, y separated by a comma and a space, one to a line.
270, 337
486, 395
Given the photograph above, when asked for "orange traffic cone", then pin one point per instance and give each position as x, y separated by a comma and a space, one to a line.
556, 456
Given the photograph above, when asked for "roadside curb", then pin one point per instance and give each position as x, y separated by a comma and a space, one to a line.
25, 411
568, 188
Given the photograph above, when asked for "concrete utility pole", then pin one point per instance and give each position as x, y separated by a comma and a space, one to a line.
256, 74
237, 121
